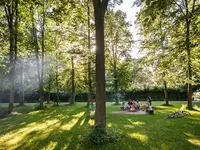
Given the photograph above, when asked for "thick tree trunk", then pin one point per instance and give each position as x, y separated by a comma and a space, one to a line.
73, 82
190, 92
89, 57
9, 10
187, 40
99, 12
166, 93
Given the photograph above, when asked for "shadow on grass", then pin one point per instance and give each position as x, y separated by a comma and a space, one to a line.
168, 105
61, 124
63, 128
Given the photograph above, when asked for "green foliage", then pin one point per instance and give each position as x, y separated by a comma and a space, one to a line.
167, 31
100, 136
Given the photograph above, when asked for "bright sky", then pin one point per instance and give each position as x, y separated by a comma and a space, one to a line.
131, 12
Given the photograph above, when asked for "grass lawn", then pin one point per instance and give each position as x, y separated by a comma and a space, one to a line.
63, 128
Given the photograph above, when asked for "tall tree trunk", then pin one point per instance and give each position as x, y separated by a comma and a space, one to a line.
22, 82
9, 10
73, 83
166, 93
12, 80
35, 44
16, 30
189, 73
89, 57
99, 13
16, 56
190, 92
115, 70
57, 88
42, 66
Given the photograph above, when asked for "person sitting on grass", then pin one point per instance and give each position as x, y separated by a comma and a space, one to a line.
149, 107
138, 104
123, 107
130, 103
133, 109
149, 101
134, 103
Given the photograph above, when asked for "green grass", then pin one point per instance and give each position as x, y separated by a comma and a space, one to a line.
64, 127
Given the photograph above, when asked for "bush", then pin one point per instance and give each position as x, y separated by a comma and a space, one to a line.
99, 136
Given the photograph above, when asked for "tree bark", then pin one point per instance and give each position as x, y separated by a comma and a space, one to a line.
73, 82
89, 57
9, 11
115, 70
42, 66
187, 40
16, 30
99, 13
190, 92
166, 93
57, 88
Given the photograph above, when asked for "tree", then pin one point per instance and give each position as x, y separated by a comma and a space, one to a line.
181, 17
11, 11
99, 13
118, 44
89, 55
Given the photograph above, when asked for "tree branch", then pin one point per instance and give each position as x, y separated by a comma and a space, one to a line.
193, 5
180, 8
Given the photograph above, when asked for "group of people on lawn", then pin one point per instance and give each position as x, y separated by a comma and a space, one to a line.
134, 105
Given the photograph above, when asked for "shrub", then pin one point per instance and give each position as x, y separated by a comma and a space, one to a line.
100, 136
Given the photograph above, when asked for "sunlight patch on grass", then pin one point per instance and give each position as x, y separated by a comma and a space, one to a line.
51, 146
183, 107
13, 138
136, 122
138, 136
91, 122
109, 125
34, 112
188, 134
67, 143
82, 122
129, 126
196, 107
70, 125
79, 114
194, 141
